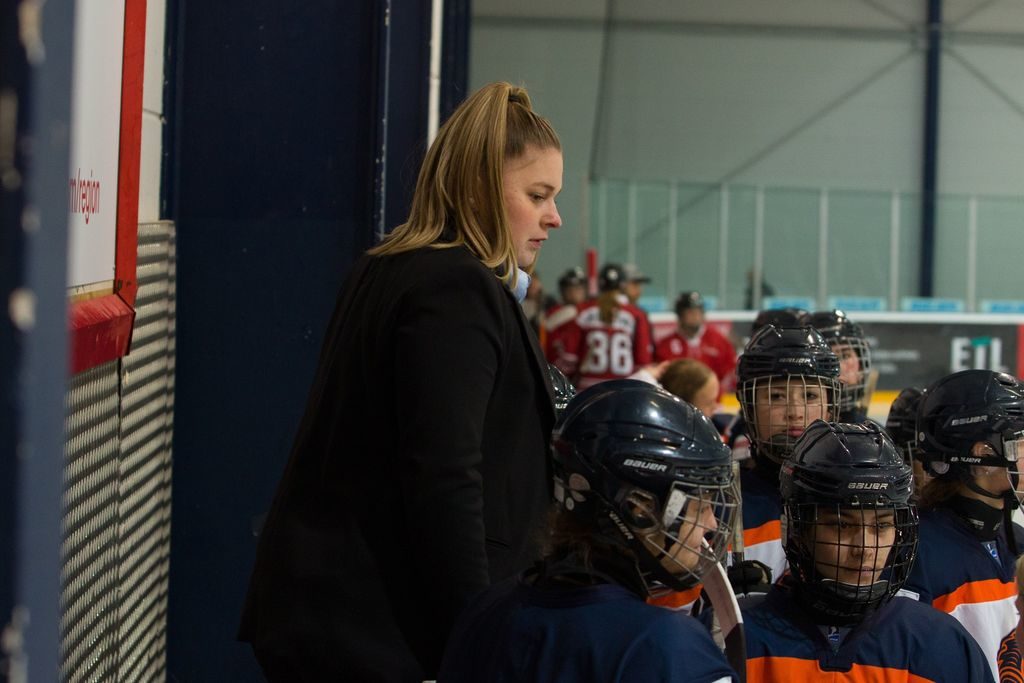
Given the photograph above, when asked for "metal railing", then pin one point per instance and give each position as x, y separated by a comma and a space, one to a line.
814, 247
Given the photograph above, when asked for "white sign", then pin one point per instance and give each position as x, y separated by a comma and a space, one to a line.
95, 136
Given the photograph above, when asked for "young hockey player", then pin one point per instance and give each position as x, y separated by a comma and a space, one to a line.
734, 427
850, 535
971, 433
788, 378
643, 484
901, 424
851, 346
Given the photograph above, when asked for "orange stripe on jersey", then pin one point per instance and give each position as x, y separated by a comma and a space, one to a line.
677, 599
974, 592
795, 670
769, 531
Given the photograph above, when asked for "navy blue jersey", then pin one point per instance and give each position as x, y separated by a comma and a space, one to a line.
723, 423
734, 430
902, 641
762, 512
518, 632
956, 573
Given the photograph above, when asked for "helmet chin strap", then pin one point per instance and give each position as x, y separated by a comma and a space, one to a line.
1011, 502
973, 485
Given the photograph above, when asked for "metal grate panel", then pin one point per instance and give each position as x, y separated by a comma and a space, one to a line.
89, 547
147, 394
117, 500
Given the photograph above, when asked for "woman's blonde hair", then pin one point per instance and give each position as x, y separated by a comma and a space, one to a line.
685, 377
459, 188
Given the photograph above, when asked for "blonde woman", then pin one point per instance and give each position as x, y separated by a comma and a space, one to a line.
418, 474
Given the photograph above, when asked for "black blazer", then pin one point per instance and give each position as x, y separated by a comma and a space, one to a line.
419, 473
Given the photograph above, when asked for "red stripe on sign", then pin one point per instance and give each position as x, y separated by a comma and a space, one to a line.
130, 149
101, 330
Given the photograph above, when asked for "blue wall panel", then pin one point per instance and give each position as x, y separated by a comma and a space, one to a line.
277, 186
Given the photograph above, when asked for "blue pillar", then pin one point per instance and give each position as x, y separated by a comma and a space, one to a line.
35, 95
930, 153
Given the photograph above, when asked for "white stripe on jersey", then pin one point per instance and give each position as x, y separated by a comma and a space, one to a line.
989, 623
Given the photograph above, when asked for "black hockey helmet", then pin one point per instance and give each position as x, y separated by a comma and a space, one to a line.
834, 325
780, 317
689, 300
572, 277
964, 408
847, 337
611, 278
901, 423
775, 362
563, 390
634, 464
842, 477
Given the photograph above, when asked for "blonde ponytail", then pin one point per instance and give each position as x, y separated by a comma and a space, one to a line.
459, 188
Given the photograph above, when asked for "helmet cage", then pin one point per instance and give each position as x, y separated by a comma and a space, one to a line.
835, 552
563, 391
910, 449
652, 519
855, 396
628, 458
847, 340
787, 403
674, 546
